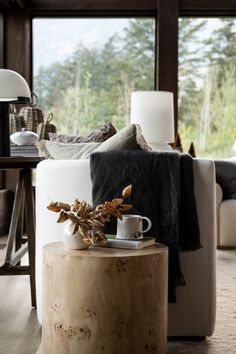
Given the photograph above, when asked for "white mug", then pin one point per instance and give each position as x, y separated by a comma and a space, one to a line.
131, 227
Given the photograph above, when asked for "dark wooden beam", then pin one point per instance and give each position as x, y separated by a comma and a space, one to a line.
1, 41
167, 50
17, 42
93, 5
207, 5
21, 3
9, 4
5, 4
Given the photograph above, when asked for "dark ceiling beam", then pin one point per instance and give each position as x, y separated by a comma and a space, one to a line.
207, 5
5, 4
9, 4
124, 5
21, 3
92, 5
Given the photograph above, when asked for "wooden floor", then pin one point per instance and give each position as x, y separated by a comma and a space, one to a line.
20, 332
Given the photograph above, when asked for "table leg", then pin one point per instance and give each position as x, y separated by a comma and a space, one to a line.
20, 239
14, 220
30, 229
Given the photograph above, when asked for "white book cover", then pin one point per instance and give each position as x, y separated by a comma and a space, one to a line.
130, 244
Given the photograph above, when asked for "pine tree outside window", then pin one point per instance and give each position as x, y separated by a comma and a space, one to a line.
86, 69
207, 85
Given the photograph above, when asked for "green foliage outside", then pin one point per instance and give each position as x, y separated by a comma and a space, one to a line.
94, 85
207, 87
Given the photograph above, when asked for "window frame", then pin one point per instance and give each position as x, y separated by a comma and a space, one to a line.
1, 40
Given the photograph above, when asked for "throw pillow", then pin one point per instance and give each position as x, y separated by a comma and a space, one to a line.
97, 136
60, 151
127, 138
226, 178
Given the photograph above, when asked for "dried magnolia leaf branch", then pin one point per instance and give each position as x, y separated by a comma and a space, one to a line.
87, 220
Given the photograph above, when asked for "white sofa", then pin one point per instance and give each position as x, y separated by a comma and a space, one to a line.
195, 310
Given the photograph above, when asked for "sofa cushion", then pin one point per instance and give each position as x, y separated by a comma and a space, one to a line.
226, 178
127, 138
60, 151
97, 136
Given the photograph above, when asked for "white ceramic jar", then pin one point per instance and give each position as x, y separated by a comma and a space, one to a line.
25, 137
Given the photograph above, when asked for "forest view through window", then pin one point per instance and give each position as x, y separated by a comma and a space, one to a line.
84, 70
207, 85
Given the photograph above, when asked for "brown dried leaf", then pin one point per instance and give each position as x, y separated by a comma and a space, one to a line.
127, 191
124, 207
95, 223
64, 206
82, 231
117, 214
53, 206
62, 217
87, 240
73, 218
117, 201
101, 235
75, 228
100, 238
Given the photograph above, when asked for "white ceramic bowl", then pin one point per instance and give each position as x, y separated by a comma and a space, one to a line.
25, 137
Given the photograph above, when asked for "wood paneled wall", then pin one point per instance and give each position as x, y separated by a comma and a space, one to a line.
17, 47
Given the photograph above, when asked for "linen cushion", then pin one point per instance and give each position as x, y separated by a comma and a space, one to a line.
97, 136
128, 138
61, 151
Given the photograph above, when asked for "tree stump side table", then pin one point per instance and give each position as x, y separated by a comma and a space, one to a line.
104, 300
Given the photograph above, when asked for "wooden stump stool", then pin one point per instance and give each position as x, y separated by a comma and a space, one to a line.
104, 300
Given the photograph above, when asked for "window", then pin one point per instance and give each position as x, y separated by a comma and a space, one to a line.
84, 70
207, 85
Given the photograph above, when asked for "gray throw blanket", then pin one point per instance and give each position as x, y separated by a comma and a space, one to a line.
162, 190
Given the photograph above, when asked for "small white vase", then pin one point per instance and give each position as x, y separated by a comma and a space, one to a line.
25, 137
73, 242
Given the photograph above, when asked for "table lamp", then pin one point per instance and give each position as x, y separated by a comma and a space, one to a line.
154, 112
13, 89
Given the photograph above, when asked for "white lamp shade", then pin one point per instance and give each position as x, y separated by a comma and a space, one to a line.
154, 112
13, 86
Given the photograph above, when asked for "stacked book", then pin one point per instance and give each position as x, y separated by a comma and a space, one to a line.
129, 244
24, 150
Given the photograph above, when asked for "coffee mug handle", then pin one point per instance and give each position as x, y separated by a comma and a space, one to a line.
149, 224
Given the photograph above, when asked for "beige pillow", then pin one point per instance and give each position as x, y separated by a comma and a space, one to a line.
60, 151
128, 138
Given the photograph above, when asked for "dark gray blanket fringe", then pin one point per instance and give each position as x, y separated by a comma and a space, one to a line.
162, 182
